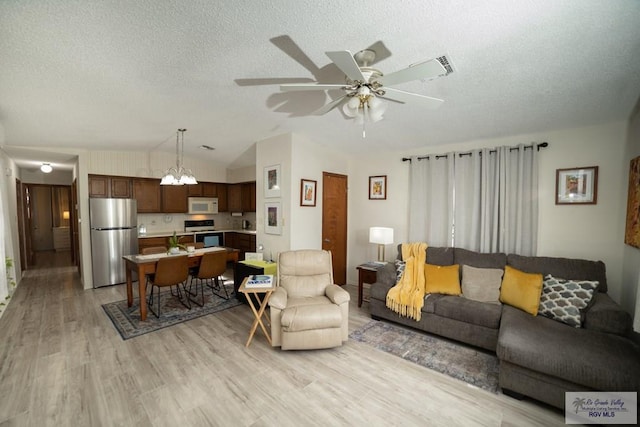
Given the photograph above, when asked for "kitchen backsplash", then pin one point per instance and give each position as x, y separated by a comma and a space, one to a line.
161, 223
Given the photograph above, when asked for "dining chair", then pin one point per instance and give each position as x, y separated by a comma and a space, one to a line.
212, 267
170, 271
198, 245
150, 251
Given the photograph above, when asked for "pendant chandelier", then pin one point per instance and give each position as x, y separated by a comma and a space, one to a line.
178, 175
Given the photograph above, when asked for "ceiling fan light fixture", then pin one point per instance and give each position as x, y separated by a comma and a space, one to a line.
46, 168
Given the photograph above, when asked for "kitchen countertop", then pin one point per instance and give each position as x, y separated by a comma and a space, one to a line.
188, 233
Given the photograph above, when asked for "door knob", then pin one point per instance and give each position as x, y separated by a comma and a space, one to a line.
327, 240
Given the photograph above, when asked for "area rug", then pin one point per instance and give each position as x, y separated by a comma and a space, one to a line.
127, 319
474, 366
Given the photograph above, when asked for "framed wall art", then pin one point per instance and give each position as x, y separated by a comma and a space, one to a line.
378, 187
272, 181
577, 186
307, 192
272, 218
632, 229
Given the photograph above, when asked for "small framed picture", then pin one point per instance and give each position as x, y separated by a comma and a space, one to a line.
272, 218
577, 186
307, 192
378, 187
272, 181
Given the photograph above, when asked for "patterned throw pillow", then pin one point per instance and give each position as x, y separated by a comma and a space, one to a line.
563, 300
400, 265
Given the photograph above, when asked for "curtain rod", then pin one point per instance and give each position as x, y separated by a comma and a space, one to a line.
539, 146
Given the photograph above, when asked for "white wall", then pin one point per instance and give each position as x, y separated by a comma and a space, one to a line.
8, 210
592, 232
310, 160
269, 152
57, 177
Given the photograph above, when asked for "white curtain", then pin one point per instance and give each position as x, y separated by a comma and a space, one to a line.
431, 199
495, 200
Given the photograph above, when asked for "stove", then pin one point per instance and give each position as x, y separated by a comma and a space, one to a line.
199, 225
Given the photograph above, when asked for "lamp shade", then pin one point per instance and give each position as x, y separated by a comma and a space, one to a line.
65, 214
381, 235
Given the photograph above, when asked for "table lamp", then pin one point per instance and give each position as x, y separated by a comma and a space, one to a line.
382, 236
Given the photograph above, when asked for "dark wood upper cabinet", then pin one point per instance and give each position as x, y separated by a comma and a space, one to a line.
121, 187
147, 193
234, 197
209, 189
110, 186
174, 198
195, 190
223, 204
249, 197
98, 186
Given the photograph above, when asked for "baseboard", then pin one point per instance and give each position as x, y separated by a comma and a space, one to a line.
513, 394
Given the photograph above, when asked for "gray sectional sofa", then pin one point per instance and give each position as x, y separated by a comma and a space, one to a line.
539, 357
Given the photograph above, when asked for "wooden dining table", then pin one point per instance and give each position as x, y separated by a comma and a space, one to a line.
146, 264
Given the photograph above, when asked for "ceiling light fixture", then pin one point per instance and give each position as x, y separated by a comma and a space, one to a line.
364, 105
179, 175
46, 168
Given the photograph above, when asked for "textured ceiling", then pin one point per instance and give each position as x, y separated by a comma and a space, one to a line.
125, 75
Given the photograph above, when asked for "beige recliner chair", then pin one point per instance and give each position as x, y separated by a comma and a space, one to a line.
308, 311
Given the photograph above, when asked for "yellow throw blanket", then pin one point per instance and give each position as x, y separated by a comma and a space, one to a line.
407, 296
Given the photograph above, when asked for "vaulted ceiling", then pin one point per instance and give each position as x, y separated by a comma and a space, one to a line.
125, 75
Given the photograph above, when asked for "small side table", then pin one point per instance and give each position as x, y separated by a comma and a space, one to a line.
260, 312
367, 273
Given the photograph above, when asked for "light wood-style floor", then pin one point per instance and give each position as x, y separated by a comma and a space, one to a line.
62, 363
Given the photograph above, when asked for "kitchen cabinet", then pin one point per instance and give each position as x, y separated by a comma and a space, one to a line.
241, 197
249, 197
209, 189
102, 186
174, 198
234, 197
223, 204
195, 190
147, 193
244, 242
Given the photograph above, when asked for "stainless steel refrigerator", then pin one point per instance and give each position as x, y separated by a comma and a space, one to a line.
114, 233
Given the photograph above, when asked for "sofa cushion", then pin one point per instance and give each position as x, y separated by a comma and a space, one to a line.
468, 311
435, 255
563, 300
481, 284
606, 316
521, 290
567, 268
442, 279
594, 360
478, 259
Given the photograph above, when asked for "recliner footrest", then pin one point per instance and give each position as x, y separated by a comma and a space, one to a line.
307, 317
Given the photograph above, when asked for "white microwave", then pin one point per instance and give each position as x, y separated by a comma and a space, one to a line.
203, 205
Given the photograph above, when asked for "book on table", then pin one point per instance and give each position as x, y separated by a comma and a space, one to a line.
259, 281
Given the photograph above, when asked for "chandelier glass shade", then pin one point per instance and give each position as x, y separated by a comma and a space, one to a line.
179, 175
364, 106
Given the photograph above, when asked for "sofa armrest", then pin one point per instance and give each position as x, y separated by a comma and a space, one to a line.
605, 315
387, 274
278, 298
336, 294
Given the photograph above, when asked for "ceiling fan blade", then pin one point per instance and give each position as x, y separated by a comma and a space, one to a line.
425, 70
402, 96
330, 106
270, 81
381, 51
309, 86
345, 61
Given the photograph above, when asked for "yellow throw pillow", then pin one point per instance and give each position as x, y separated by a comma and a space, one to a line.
521, 290
442, 279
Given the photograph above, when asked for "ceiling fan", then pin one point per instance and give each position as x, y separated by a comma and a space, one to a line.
365, 85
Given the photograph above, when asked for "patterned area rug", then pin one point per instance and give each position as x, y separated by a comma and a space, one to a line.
469, 364
127, 319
